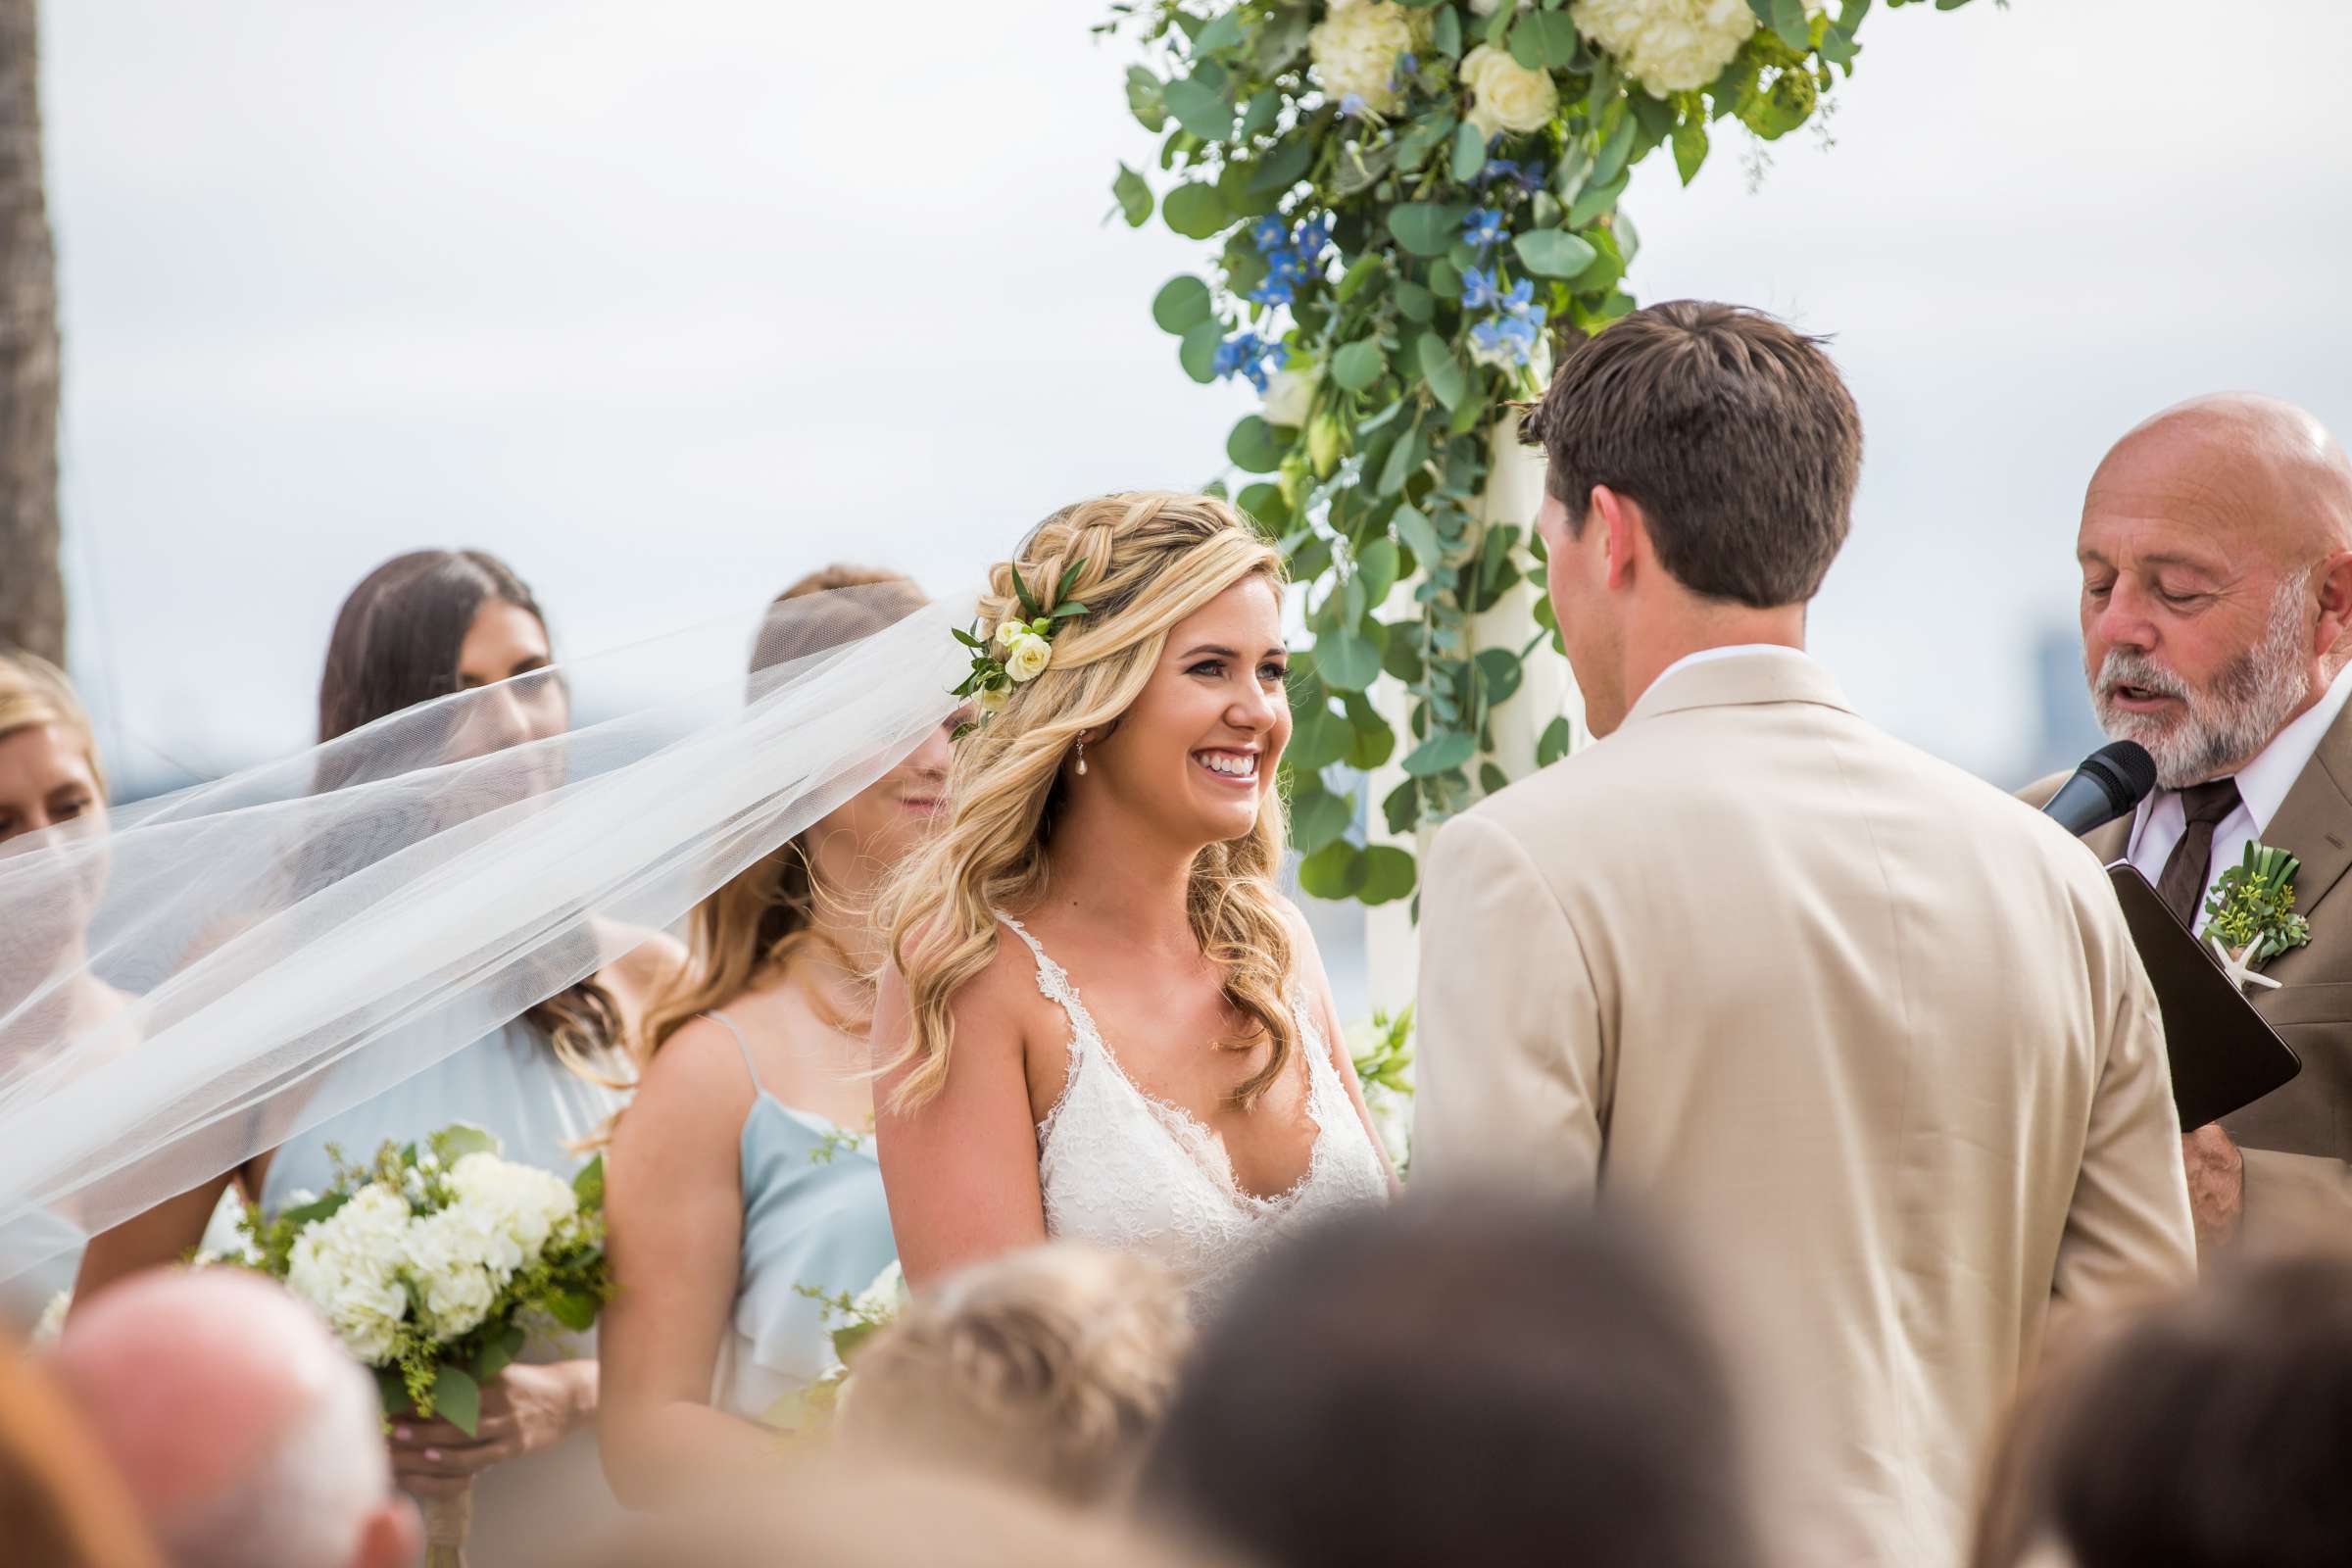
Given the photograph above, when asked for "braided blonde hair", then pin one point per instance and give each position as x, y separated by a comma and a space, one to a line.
1147, 560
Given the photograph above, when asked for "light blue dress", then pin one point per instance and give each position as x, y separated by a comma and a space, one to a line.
509, 1083
815, 1216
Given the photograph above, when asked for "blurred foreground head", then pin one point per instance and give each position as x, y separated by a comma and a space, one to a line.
2214, 1433
246, 1434
1049, 1368
1463, 1380
843, 1513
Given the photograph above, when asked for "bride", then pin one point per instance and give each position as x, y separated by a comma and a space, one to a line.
1102, 1019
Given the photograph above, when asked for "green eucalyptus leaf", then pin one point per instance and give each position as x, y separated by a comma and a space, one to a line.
1569, 175
1448, 749
1426, 229
1553, 252
1225, 33
1615, 152
1144, 99
1499, 672
1405, 457
1358, 366
576, 1309
588, 1186
1419, 534
1319, 737
1400, 809
1447, 379
1552, 744
1548, 37
1134, 196
1334, 871
1401, 657
1264, 506
1413, 301
1377, 563
1388, 874
1318, 818
1254, 446
1358, 277
1279, 169
1690, 147
1349, 661
1469, 154
1199, 352
1200, 109
1259, 118
1446, 35
1596, 200
1182, 304
1195, 211
457, 1397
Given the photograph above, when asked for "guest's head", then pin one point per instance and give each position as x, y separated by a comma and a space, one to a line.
432, 623
1460, 1380
2217, 580
244, 1431
2212, 1434
797, 895
1049, 1368
1169, 693
61, 1500
49, 770
1701, 462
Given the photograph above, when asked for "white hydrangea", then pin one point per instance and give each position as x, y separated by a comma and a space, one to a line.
347, 1266
1671, 45
885, 1298
1355, 50
523, 1201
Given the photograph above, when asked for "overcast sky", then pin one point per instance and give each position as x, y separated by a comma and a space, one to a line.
669, 303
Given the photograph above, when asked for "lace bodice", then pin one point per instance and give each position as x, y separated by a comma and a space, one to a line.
1124, 1169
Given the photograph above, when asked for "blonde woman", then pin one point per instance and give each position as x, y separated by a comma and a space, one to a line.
1103, 1021
1050, 1368
50, 777
740, 1179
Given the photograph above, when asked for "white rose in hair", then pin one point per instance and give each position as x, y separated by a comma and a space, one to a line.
1028, 657
1354, 51
1671, 45
1506, 95
1007, 630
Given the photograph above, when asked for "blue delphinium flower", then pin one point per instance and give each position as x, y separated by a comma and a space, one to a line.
1483, 226
1229, 356
1313, 236
1290, 265
1479, 288
1406, 65
1275, 289
1267, 232
1249, 356
1504, 340
1519, 300
1527, 177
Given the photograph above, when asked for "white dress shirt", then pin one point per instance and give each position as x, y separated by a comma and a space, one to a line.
2262, 786
1734, 651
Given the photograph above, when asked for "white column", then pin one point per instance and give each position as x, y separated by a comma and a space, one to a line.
1514, 491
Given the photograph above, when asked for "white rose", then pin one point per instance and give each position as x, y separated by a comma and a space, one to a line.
993, 698
1291, 394
1007, 630
1355, 50
1671, 45
1508, 95
1028, 657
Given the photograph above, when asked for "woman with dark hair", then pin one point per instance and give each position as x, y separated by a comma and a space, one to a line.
420, 626
742, 1178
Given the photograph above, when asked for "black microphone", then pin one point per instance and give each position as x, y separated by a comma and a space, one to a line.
2112, 780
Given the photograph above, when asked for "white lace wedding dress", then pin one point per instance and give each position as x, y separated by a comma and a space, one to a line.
1124, 1169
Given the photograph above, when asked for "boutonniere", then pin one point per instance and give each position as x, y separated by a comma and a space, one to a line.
2250, 914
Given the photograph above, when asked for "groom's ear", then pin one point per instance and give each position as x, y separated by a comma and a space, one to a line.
1618, 520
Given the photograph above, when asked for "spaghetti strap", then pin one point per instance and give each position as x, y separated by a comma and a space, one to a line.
717, 1016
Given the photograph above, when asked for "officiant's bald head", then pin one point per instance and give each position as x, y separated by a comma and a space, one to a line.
2216, 549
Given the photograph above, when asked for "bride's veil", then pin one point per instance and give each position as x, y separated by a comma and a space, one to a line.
233, 963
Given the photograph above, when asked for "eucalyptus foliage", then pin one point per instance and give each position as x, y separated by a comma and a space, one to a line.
1394, 277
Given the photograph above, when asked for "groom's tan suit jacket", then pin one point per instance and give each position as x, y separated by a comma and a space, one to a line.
1868, 1030
2297, 1140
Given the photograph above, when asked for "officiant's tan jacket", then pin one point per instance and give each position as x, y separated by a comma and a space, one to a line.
1869, 1031
2297, 1139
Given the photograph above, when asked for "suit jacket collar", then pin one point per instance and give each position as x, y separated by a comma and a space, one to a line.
1744, 679
2314, 820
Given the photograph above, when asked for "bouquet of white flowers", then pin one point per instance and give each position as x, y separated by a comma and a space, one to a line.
851, 1321
1382, 1053
432, 1264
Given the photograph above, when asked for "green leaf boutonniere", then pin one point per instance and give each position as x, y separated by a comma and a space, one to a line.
2250, 914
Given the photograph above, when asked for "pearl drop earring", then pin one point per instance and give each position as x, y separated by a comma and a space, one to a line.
1081, 756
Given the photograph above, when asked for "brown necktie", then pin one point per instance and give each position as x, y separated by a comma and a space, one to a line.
2187, 869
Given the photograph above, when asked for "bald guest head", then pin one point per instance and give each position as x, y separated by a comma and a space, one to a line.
246, 1433
2217, 580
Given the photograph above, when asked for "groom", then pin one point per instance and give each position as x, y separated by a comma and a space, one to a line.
1869, 1031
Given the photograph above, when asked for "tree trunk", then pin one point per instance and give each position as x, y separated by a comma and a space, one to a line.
32, 595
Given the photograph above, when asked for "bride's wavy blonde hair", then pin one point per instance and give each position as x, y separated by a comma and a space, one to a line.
1147, 559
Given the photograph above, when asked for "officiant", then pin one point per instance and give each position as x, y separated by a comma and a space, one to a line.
2216, 549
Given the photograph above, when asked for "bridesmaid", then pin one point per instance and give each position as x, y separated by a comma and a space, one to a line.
743, 1169
50, 776
420, 626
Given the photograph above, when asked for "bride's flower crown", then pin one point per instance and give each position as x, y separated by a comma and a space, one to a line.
1020, 651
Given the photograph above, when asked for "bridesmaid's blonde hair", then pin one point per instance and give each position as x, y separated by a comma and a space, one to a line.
35, 691
1146, 560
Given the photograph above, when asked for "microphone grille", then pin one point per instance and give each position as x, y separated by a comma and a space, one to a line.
2126, 770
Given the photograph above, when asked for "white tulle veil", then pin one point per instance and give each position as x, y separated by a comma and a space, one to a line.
233, 963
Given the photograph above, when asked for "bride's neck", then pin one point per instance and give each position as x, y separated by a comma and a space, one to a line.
1120, 882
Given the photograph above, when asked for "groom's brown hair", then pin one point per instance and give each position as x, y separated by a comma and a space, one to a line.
1732, 429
